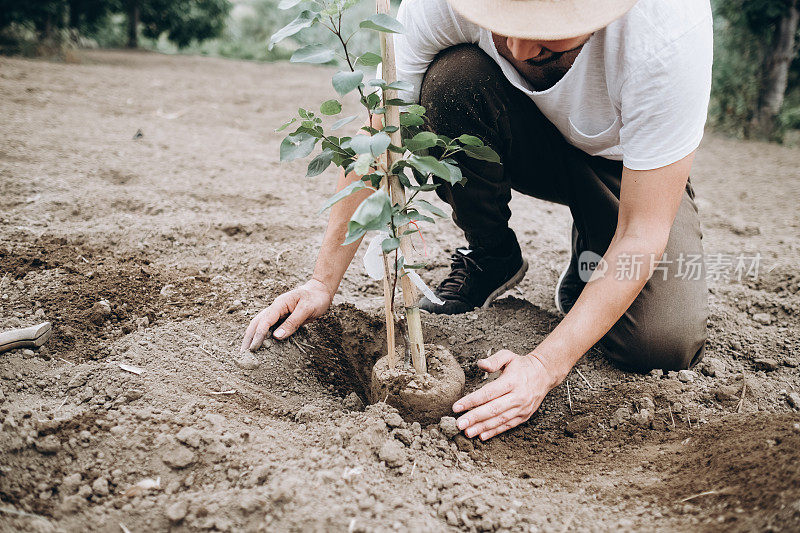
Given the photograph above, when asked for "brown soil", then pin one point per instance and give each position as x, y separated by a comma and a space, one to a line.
192, 227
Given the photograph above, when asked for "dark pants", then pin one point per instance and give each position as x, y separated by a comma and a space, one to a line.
464, 91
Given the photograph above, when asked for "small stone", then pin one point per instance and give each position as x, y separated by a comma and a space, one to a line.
643, 418
249, 503
791, 362
671, 374
620, 416
353, 402
404, 435
47, 445
794, 399
727, 393
70, 484
656, 373
178, 457
686, 376
247, 361
645, 402
260, 474
28, 353
448, 426
189, 436
392, 453
416, 428
393, 420
72, 504
167, 290
100, 486
176, 511
766, 364
100, 312
712, 366
763, 318
579, 425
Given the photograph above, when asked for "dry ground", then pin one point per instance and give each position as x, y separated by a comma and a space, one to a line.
193, 227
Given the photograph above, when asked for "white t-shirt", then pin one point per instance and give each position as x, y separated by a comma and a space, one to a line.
637, 92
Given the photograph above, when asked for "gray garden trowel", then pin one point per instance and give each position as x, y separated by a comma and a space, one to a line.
32, 337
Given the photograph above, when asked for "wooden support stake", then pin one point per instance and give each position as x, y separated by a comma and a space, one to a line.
392, 118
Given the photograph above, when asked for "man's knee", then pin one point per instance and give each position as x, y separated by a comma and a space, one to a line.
454, 83
668, 345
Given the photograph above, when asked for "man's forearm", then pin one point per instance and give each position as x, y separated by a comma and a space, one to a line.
333, 258
602, 302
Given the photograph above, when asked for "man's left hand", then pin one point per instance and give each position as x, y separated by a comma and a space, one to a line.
507, 401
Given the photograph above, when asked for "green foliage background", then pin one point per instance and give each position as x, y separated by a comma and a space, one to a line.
742, 29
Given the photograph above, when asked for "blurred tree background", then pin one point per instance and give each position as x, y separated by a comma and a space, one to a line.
756, 90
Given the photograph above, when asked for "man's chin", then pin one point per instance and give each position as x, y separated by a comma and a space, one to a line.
545, 61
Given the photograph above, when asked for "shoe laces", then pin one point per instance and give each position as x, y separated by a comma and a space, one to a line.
461, 265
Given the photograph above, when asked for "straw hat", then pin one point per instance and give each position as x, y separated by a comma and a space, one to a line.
542, 19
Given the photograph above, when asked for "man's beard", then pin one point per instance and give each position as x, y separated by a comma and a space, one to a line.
552, 58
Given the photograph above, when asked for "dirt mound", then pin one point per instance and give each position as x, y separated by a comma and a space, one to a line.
738, 463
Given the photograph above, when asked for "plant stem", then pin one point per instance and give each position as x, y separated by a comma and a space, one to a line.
395, 188
338, 32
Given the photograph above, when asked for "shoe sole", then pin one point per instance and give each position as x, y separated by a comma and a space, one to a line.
515, 279
560, 281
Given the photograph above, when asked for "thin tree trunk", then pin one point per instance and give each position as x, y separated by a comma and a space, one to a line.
133, 23
392, 118
776, 73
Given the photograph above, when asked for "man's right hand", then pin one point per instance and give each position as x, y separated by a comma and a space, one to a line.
302, 304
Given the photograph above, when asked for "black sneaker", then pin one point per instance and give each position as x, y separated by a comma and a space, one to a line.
476, 279
569, 285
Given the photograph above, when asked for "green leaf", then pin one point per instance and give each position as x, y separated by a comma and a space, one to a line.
303, 20
288, 4
423, 188
369, 59
410, 119
372, 100
416, 109
343, 121
421, 141
320, 163
330, 107
483, 153
455, 173
313, 53
430, 165
469, 140
344, 193
286, 125
345, 81
296, 146
363, 164
374, 213
430, 208
360, 144
379, 143
400, 85
397, 102
390, 244
382, 22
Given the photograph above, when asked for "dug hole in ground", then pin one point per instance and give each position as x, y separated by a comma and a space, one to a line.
192, 227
